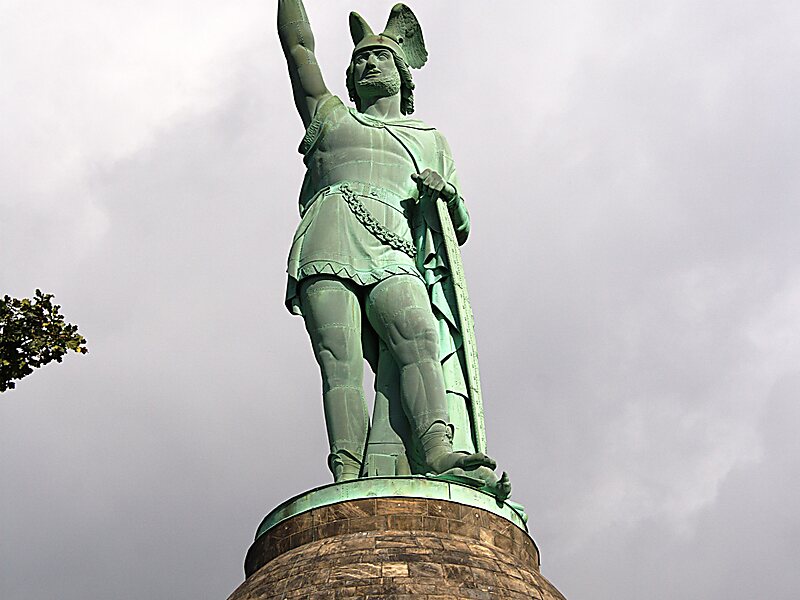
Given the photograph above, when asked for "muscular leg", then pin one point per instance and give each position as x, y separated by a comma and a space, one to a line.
399, 310
332, 314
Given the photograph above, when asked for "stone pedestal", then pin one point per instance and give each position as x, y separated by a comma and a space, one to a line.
395, 547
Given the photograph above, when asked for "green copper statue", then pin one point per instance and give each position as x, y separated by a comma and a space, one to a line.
374, 267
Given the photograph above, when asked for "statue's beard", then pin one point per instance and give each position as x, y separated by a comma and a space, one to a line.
380, 87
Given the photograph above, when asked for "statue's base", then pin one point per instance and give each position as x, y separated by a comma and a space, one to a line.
396, 547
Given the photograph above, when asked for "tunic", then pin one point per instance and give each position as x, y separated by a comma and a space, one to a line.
374, 158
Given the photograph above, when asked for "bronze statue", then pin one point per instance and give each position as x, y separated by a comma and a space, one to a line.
370, 268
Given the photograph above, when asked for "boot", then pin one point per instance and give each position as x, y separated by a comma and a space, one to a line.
347, 423
437, 445
344, 466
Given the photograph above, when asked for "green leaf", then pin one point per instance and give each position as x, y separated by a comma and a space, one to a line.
33, 333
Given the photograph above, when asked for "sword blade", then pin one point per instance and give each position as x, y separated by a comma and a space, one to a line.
466, 324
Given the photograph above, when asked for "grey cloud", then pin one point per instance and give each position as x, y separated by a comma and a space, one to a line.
631, 171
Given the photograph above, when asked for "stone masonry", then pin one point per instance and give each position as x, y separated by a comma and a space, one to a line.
397, 549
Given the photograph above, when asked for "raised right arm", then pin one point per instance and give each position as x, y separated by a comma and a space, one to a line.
297, 41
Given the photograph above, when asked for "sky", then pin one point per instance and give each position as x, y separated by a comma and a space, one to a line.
632, 170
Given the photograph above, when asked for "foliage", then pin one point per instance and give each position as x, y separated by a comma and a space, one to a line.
32, 334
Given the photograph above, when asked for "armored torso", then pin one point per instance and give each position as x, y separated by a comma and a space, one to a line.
347, 152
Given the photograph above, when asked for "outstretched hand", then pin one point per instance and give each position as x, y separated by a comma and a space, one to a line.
430, 183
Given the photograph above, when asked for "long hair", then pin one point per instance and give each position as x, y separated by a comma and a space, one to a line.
406, 85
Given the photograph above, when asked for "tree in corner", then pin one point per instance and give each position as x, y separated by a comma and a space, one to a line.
32, 334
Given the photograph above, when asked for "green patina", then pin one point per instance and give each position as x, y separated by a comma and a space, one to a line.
375, 267
393, 487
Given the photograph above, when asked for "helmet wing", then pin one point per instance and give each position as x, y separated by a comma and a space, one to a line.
359, 28
404, 28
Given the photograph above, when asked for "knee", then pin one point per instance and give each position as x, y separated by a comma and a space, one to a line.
416, 338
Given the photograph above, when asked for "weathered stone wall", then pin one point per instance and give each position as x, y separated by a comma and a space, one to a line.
395, 548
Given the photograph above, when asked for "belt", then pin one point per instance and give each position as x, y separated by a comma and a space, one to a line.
351, 191
359, 188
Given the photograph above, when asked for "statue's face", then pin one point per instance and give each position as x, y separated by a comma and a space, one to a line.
375, 73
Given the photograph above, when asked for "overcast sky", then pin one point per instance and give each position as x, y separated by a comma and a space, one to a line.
632, 168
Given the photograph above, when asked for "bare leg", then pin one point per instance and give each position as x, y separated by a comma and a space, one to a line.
399, 310
332, 314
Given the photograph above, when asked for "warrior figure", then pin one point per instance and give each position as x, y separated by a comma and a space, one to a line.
366, 268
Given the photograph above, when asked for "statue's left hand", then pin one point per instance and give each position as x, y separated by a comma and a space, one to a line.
430, 183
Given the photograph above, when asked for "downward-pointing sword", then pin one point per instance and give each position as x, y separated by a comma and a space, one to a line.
466, 321
466, 324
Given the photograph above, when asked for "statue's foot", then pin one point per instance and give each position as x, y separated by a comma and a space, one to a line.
481, 477
459, 460
437, 444
344, 467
